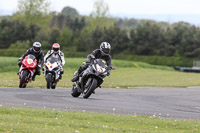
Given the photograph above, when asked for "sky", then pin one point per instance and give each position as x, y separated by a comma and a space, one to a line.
159, 10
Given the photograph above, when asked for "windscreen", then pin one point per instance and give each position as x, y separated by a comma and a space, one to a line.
52, 60
101, 63
30, 56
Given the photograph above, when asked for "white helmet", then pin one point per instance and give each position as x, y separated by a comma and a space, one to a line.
36, 47
105, 48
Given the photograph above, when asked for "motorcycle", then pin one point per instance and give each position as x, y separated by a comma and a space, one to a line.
52, 72
90, 79
27, 70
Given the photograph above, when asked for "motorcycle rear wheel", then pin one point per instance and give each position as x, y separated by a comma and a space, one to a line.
90, 89
53, 86
75, 92
23, 79
49, 82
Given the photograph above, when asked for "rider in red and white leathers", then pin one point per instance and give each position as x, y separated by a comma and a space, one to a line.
56, 53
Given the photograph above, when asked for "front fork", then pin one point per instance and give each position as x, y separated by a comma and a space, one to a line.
28, 76
88, 83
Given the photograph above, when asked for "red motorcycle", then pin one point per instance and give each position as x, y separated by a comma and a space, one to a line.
27, 70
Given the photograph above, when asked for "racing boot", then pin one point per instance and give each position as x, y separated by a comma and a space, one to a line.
36, 73
60, 77
33, 78
75, 78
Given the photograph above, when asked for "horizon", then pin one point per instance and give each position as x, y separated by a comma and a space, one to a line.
193, 19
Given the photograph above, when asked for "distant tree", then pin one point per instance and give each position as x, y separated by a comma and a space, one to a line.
84, 41
13, 31
114, 35
185, 38
54, 35
65, 39
41, 36
20, 45
33, 12
127, 24
77, 24
61, 21
69, 11
147, 39
118, 39
100, 16
101, 9
97, 38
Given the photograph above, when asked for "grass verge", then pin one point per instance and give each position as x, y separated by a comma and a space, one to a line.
122, 77
47, 121
127, 74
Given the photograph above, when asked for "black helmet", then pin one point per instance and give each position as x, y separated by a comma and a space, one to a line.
105, 48
36, 47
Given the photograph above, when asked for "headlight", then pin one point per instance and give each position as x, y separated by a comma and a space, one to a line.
99, 70
29, 61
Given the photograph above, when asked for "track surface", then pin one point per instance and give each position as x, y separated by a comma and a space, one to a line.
176, 103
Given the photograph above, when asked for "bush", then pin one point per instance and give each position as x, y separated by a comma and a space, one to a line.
12, 52
154, 60
158, 60
20, 52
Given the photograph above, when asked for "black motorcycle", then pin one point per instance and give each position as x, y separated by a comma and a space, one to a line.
90, 79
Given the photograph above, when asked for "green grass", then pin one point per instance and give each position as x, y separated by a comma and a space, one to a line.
47, 121
130, 77
8, 64
127, 74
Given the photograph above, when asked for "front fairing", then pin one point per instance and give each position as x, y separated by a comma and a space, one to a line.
90, 73
29, 63
53, 68
100, 68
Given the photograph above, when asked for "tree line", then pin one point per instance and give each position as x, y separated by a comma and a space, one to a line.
80, 33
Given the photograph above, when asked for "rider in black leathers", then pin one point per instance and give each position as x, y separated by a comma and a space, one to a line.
39, 55
102, 53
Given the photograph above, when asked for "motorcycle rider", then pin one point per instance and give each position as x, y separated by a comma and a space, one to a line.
102, 53
39, 55
56, 53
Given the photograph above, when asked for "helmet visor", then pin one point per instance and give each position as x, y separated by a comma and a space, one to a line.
106, 50
55, 49
37, 49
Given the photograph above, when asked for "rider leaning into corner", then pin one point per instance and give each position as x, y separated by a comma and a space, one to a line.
56, 53
39, 55
102, 53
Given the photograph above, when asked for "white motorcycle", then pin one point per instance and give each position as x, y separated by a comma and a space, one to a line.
52, 72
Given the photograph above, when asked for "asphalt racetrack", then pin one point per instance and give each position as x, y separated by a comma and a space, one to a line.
172, 103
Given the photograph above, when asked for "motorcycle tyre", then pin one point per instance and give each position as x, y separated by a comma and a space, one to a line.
91, 89
75, 92
53, 86
49, 82
23, 79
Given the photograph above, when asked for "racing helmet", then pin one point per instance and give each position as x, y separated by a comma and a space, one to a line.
105, 48
37, 47
56, 47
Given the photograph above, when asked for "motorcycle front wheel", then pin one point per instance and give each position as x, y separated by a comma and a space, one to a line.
49, 80
23, 79
90, 89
